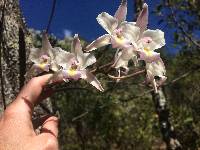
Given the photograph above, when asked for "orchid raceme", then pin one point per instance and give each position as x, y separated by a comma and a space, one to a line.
156, 73
132, 40
115, 26
74, 66
149, 41
44, 59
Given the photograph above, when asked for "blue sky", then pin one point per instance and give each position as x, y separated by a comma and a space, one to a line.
79, 16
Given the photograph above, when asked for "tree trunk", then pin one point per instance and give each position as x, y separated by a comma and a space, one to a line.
12, 50
167, 130
15, 42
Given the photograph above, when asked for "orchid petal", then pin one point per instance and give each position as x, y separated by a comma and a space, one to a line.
54, 66
59, 58
119, 42
35, 54
150, 78
128, 53
121, 13
119, 62
33, 71
124, 56
57, 77
63, 58
108, 22
130, 32
100, 42
156, 69
155, 86
36, 69
89, 77
76, 45
76, 48
157, 39
46, 45
89, 59
142, 20
84, 59
161, 80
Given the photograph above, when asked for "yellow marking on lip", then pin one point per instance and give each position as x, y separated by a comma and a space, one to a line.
72, 72
148, 51
42, 65
119, 39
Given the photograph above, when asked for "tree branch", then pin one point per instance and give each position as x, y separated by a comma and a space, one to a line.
194, 41
51, 16
127, 76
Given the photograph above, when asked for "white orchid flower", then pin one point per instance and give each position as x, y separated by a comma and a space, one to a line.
115, 26
44, 59
119, 35
74, 66
128, 52
122, 57
156, 73
149, 40
143, 42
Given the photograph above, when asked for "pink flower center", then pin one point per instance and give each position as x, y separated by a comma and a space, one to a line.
45, 58
147, 40
118, 32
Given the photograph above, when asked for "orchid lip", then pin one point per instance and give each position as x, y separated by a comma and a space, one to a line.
71, 74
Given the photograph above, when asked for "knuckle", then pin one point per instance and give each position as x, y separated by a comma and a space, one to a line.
53, 118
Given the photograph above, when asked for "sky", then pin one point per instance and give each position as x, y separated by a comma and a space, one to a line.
79, 16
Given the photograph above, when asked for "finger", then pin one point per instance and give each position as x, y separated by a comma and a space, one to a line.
28, 97
50, 127
37, 122
46, 142
49, 132
34, 88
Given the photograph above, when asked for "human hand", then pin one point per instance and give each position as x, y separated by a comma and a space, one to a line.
16, 127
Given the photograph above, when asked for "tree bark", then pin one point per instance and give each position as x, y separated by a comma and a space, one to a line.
15, 42
167, 130
12, 50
